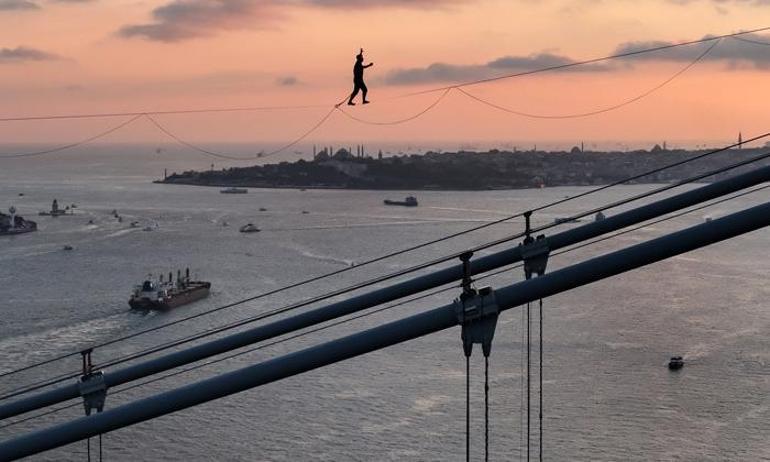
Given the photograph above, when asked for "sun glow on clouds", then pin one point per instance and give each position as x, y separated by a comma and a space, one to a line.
128, 55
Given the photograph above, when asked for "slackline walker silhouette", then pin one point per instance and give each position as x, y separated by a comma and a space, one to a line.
358, 78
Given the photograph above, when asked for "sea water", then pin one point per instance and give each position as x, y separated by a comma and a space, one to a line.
607, 392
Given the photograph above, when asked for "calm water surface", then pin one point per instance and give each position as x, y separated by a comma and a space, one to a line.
607, 392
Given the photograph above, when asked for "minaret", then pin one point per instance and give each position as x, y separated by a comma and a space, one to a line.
740, 140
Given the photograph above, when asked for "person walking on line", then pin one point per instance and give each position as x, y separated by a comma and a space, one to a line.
358, 79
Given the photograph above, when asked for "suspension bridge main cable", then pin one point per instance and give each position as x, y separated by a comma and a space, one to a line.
596, 111
264, 315
584, 214
410, 249
400, 303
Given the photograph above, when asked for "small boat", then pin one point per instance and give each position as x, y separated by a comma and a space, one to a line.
164, 295
147, 228
248, 228
134, 224
262, 209
68, 247
305, 212
675, 363
234, 190
410, 201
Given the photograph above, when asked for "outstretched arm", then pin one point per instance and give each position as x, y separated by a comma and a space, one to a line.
369, 65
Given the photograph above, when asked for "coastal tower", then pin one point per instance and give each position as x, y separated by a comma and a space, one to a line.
740, 140
12, 211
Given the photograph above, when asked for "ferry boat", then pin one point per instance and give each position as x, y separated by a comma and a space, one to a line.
164, 295
410, 201
234, 190
249, 228
13, 224
675, 363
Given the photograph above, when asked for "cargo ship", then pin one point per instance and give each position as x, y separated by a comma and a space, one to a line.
164, 295
13, 224
410, 201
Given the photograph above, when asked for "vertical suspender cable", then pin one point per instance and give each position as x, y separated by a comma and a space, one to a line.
540, 415
100, 447
521, 387
529, 385
486, 408
467, 408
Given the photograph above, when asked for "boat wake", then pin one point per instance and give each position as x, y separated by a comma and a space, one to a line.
39, 346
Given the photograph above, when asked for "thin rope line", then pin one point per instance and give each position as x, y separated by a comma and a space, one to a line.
75, 144
597, 111
584, 62
208, 152
736, 35
399, 121
169, 112
755, 42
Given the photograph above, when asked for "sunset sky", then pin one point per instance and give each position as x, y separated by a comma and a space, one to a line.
81, 56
